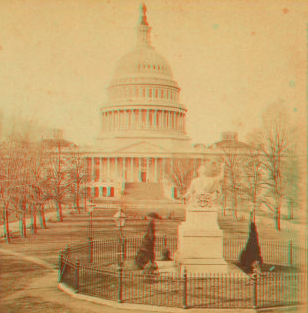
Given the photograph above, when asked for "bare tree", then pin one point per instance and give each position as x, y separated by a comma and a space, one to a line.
59, 183
78, 177
180, 173
232, 177
277, 138
253, 180
39, 182
12, 184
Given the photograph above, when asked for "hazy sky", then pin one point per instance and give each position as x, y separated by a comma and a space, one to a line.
231, 59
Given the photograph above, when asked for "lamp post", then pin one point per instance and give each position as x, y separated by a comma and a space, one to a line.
91, 207
120, 219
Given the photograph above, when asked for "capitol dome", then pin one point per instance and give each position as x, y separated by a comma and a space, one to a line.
143, 75
144, 60
143, 99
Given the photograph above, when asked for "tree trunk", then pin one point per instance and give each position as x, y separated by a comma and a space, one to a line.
21, 226
33, 220
277, 218
59, 212
24, 225
42, 217
6, 226
290, 210
77, 203
85, 204
235, 206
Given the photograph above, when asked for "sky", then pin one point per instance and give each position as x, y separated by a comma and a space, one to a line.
231, 59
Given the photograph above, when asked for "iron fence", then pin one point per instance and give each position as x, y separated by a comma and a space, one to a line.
92, 269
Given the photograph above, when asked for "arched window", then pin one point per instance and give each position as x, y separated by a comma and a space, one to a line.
156, 93
150, 93
104, 191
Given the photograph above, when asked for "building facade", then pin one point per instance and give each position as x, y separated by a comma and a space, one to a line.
143, 128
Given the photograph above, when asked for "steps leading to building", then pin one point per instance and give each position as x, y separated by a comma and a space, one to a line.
144, 191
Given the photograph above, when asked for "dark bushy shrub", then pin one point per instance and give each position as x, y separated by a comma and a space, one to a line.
165, 255
146, 253
252, 251
154, 215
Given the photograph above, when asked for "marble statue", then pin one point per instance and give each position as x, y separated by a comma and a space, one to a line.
205, 189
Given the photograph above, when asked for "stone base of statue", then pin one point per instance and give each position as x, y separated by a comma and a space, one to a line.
200, 248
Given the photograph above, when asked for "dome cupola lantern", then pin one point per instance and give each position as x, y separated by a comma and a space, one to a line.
143, 28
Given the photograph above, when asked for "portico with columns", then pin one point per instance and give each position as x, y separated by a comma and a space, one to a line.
142, 125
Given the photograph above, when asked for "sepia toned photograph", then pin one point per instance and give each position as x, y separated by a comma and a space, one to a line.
153, 156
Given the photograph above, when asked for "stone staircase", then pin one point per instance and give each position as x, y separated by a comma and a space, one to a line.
144, 191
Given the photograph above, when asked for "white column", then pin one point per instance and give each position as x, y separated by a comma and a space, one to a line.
116, 167
140, 118
101, 169
148, 169
93, 169
133, 120
155, 169
126, 115
114, 120
148, 118
132, 169
155, 119
124, 169
108, 168
170, 120
119, 119
161, 118
139, 172
182, 122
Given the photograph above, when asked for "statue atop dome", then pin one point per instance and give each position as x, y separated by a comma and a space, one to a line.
143, 17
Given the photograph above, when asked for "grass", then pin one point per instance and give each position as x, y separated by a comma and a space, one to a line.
17, 275
10, 282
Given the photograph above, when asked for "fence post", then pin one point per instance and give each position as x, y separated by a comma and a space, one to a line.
290, 253
77, 265
184, 289
254, 291
60, 266
90, 250
120, 284
123, 250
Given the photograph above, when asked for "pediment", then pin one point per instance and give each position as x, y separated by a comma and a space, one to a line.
142, 147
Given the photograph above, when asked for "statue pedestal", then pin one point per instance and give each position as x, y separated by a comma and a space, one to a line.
201, 243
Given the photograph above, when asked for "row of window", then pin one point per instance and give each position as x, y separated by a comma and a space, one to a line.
144, 92
143, 118
150, 66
